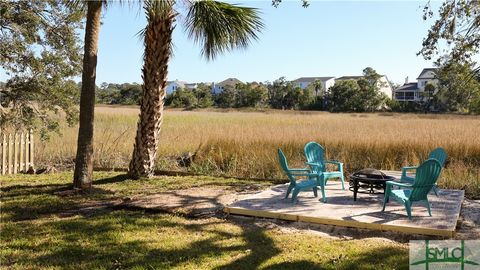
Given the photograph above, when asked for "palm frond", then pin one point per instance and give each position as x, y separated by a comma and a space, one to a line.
219, 27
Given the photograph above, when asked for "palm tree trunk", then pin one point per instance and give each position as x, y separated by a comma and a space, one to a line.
158, 45
82, 177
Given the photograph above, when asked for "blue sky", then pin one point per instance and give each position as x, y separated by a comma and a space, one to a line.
326, 39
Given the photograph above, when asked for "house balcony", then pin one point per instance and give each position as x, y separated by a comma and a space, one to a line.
408, 96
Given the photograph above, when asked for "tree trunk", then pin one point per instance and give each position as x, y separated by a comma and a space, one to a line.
158, 46
82, 177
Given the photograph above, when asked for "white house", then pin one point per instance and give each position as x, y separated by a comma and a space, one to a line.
218, 87
414, 91
304, 82
174, 85
383, 83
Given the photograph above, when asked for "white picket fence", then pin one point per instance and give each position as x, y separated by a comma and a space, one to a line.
16, 152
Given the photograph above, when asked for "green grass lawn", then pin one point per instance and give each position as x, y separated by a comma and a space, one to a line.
36, 233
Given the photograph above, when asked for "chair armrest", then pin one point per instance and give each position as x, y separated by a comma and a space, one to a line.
333, 162
407, 168
299, 170
392, 183
304, 174
336, 162
313, 164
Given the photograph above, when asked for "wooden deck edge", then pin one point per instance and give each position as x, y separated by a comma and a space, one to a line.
342, 223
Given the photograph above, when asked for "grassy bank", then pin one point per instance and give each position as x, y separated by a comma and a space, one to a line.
244, 143
37, 234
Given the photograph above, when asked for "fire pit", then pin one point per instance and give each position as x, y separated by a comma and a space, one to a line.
368, 181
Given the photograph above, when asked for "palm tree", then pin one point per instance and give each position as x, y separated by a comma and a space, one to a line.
82, 177
217, 26
317, 86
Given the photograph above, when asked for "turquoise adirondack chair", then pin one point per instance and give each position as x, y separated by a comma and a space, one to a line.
311, 182
438, 153
314, 153
426, 176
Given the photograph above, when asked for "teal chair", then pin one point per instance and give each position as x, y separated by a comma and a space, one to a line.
311, 182
426, 176
438, 153
314, 153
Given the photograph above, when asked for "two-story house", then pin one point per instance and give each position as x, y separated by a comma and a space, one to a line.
415, 91
217, 88
304, 82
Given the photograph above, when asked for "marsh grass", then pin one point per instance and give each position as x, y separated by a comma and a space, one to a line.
244, 144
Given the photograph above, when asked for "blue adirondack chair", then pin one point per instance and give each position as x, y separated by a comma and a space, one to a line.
438, 153
314, 153
311, 182
426, 176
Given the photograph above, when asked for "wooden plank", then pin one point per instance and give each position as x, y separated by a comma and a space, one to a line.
342, 223
4, 154
2, 144
31, 148
9, 160
22, 147
27, 158
15, 153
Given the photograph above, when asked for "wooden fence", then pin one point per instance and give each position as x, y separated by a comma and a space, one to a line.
16, 152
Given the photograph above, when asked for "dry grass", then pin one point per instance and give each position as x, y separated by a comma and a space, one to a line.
244, 143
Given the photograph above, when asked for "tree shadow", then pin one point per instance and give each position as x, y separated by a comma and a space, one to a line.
111, 180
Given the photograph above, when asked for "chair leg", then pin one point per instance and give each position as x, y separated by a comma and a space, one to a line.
315, 192
342, 178
385, 200
324, 198
408, 207
428, 207
295, 194
290, 187
435, 190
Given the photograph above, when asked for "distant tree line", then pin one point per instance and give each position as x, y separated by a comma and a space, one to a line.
360, 95
457, 90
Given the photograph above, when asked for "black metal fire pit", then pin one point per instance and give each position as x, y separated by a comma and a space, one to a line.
368, 181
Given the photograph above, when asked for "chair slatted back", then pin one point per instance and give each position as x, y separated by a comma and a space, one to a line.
284, 164
425, 178
314, 152
439, 154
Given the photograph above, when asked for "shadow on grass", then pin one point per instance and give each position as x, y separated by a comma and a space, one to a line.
125, 240
111, 180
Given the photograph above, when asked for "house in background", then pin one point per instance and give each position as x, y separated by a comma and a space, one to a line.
304, 82
174, 85
415, 91
383, 83
218, 87
191, 86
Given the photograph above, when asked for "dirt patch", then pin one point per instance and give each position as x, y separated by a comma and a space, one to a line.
192, 202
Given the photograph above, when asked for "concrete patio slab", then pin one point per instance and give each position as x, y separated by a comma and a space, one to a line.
341, 210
